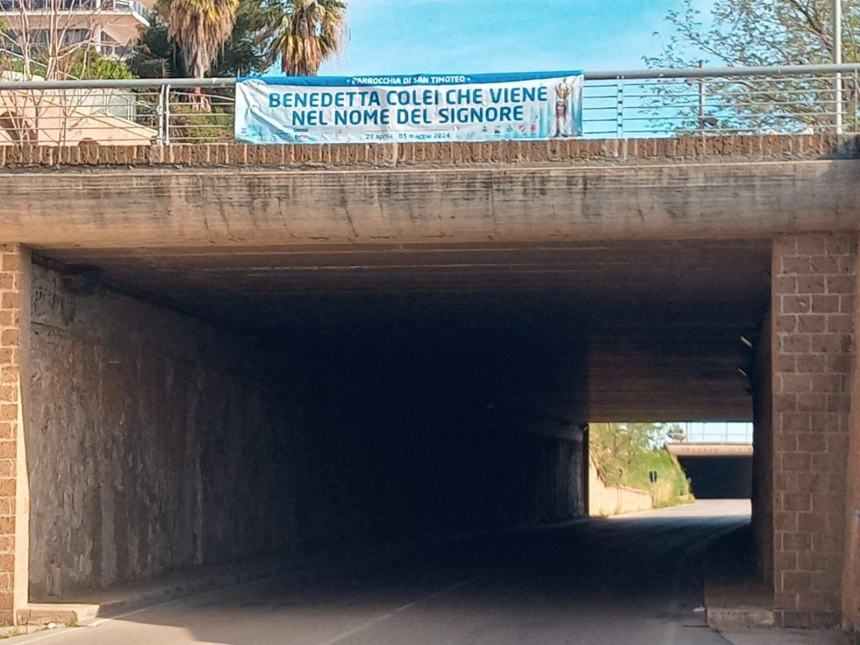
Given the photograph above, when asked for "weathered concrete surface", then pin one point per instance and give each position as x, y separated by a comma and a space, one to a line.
710, 449
605, 500
518, 204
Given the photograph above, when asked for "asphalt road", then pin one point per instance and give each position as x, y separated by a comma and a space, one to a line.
634, 580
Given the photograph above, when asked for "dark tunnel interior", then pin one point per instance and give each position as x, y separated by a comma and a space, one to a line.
224, 406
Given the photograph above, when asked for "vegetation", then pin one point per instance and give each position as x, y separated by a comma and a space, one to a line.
627, 454
308, 32
90, 65
82, 64
298, 34
199, 28
760, 32
757, 32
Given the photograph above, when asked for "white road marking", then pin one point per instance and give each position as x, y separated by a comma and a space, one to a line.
391, 614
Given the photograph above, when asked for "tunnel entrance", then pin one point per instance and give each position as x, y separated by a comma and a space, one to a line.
717, 457
641, 466
199, 406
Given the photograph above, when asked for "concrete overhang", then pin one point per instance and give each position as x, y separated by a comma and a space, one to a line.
245, 207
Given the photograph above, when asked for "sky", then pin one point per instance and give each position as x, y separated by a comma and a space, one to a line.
484, 36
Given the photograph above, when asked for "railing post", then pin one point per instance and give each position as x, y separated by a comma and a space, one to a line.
702, 98
164, 115
854, 90
619, 107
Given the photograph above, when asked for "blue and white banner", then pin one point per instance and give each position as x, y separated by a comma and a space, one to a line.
427, 107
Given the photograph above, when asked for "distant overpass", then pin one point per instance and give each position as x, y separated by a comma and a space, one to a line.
716, 470
710, 449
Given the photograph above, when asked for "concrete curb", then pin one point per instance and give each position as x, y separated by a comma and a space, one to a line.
735, 600
166, 589
727, 619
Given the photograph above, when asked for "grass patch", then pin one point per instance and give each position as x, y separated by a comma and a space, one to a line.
626, 455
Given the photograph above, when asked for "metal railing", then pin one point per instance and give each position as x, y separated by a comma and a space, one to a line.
731, 432
616, 104
66, 6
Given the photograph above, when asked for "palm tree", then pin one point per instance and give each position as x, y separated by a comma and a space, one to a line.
200, 28
307, 33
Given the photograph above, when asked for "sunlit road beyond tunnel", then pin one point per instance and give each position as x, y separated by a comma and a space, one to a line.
635, 580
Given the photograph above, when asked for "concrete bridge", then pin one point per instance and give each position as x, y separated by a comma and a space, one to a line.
716, 470
217, 352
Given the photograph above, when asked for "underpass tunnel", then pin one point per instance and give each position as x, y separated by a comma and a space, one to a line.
719, 476
200, 406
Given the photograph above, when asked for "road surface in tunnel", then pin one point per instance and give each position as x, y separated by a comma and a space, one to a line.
633, 580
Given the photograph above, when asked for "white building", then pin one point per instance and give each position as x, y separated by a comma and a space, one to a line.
109, 26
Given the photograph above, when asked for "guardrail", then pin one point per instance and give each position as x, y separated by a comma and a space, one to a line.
616, 104
732, 432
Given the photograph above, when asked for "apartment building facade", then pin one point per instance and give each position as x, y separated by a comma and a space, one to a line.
107, 26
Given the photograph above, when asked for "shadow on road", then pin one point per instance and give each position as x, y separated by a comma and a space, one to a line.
633, 580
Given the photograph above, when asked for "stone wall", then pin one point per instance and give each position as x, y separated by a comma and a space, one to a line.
813, 304
150, 441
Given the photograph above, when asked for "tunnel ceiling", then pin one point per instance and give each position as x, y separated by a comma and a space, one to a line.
662, 320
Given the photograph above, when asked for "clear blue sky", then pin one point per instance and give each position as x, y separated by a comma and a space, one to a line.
474, 36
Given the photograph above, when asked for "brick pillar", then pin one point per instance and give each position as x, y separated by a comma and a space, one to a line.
14, 501
851, 570
813, 292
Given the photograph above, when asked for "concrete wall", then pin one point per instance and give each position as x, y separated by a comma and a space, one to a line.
159, 442
604, 501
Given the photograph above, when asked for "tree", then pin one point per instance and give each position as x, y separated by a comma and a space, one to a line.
676, 434
244, 52
307, 33
615, 446
61, 40
200, 28
759, 32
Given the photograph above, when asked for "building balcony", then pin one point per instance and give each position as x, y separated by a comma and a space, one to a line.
96, 11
